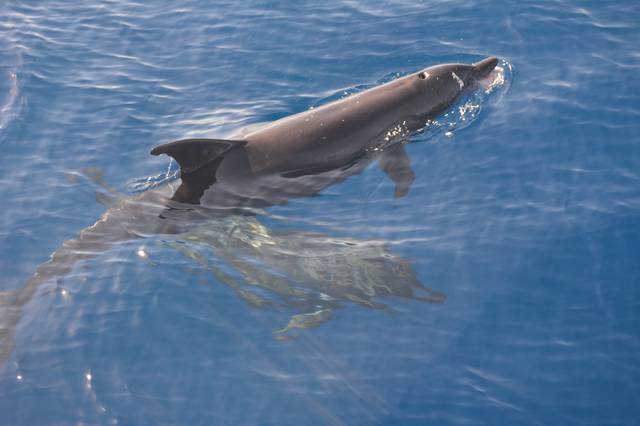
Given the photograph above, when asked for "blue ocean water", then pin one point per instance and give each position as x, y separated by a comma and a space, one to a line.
526, 218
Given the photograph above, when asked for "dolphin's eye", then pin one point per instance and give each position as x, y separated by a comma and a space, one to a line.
423, 75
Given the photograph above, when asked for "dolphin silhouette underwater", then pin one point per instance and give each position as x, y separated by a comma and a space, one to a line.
292, 157
310, 272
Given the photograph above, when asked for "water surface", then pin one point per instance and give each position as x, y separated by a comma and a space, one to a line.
523, 222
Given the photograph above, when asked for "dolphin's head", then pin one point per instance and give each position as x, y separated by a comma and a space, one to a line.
440, 86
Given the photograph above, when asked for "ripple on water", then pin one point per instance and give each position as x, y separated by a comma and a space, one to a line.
526, 219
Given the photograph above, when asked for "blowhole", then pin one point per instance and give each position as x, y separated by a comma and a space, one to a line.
423, 75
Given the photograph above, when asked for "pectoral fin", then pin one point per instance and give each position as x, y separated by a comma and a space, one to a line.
396, 164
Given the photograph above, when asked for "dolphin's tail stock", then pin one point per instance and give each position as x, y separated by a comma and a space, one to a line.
90, 242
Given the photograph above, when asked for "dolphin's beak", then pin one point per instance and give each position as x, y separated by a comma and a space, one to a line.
484, 67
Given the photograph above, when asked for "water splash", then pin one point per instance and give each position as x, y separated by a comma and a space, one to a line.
142, 184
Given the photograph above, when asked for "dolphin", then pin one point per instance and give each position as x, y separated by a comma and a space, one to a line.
301, 154
312, 272
292, 157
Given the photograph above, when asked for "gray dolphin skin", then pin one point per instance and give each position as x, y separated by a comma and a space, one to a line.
293, 157
269, 166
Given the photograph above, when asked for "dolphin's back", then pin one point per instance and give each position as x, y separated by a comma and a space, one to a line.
332, 134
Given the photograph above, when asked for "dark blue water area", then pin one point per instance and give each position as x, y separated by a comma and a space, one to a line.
524, 220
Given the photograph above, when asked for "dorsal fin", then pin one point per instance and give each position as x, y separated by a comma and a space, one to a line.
199, 160
192, 154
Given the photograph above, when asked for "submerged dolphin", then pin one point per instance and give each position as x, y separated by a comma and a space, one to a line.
292, 157
312, 272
